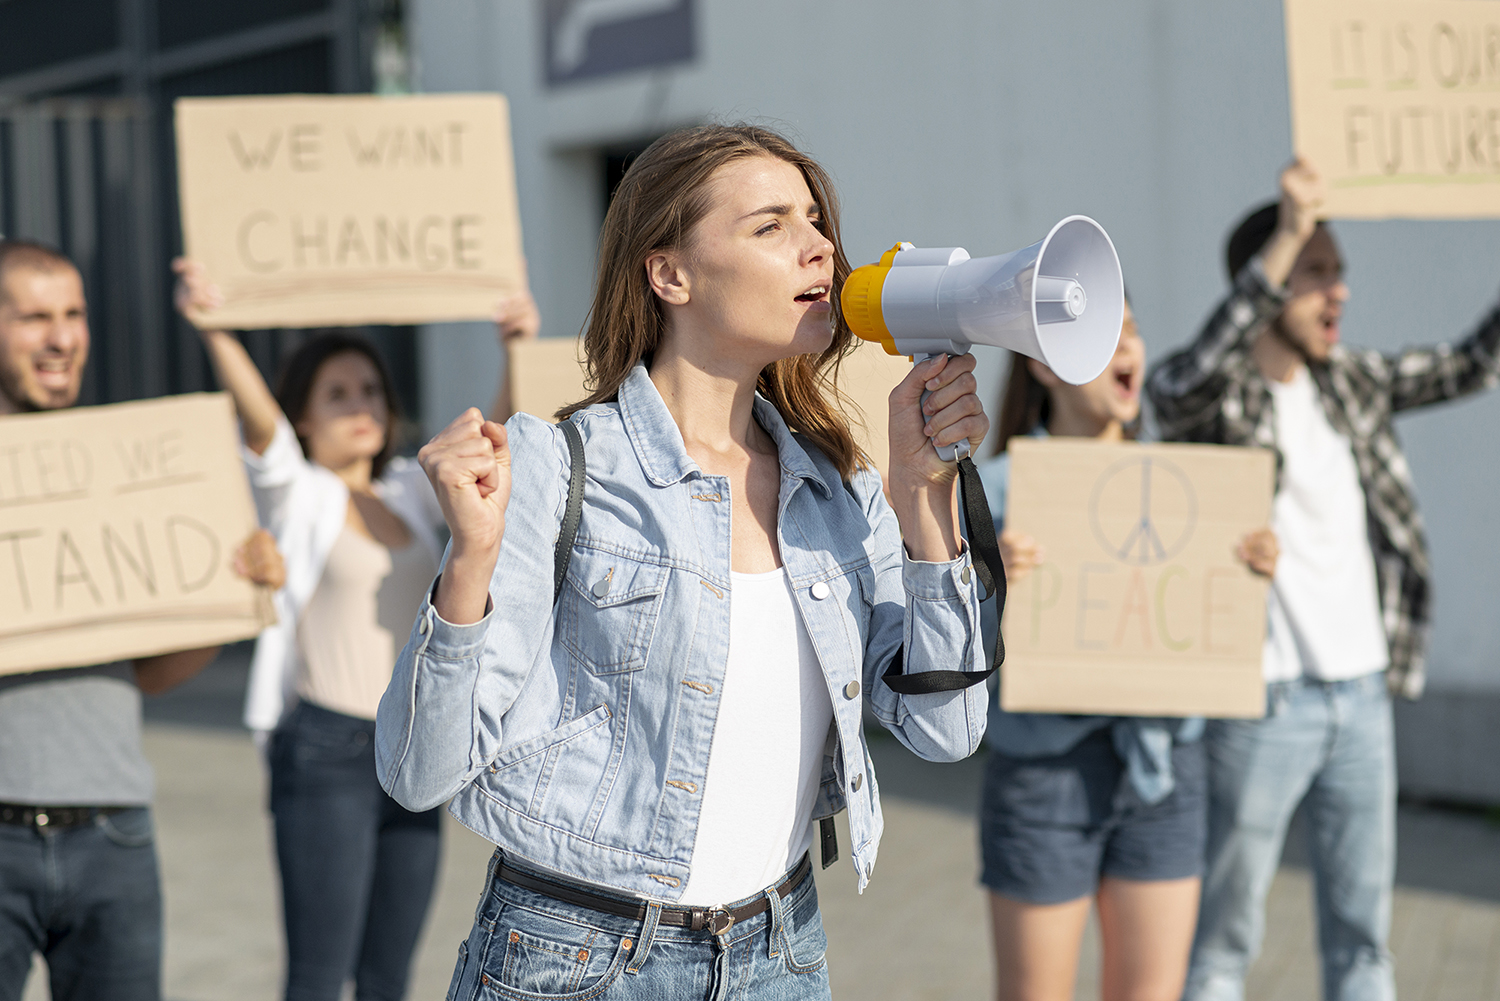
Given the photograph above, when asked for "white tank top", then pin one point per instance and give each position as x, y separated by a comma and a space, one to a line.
767, 752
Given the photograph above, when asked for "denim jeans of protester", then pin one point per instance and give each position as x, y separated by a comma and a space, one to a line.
357, 870
1329, 746
526, 946
88, 899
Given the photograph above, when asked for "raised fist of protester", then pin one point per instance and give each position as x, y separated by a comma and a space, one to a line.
1021, 554
195, 293
1303, 193
1259, 551
468, 464
259, 561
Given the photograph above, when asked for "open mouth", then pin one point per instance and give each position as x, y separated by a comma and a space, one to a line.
818, 293
54, 372
1125, 381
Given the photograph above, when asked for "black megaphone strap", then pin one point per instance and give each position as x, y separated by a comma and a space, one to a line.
991, 569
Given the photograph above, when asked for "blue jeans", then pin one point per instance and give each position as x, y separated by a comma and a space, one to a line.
1329, 746
357, 870
526, 946
89, 900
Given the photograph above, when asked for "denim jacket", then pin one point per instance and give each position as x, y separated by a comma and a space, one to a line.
576, 736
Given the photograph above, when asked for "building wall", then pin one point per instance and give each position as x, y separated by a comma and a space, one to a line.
979, 123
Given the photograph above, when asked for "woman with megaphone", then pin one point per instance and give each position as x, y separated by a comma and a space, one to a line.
642, 670
1089, 809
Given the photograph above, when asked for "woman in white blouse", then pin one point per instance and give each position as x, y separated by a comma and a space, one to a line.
359, 528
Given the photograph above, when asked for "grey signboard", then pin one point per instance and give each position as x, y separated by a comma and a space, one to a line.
593, 38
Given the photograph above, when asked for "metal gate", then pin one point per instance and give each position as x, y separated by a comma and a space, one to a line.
76, 175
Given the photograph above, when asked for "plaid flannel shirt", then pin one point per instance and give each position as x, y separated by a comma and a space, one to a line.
1213, 391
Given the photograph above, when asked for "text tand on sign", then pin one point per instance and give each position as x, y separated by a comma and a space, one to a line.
118, 527
593, 38
1397, 102
314, 211
1141, 607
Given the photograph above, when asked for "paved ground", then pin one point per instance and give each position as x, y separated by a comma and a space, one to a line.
918, 932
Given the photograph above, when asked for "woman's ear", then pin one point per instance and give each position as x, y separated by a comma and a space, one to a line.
1041, 373
668, 278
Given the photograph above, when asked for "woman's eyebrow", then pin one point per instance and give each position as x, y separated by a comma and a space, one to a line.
813, 209
768, 210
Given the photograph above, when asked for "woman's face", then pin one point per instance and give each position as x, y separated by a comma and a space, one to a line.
1115, 396
756, 277
346, 415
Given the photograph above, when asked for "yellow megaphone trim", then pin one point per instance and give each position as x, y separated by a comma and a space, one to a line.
861, 301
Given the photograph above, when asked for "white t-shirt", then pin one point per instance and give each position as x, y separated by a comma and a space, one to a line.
1323, 608
767, 753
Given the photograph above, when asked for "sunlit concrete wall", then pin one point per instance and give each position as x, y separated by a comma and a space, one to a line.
980, 123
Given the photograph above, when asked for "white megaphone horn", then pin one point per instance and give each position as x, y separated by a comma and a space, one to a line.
1060, 301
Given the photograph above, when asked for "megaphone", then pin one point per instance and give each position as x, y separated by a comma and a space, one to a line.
1060, 301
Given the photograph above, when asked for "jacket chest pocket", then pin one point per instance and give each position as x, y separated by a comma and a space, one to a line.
609, 610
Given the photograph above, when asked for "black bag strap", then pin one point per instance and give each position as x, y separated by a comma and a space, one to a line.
991, 570
573, 513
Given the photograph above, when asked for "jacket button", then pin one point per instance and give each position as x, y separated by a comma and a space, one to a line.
423, 624
820, 590
859, 780
851, 690
601, 589
965, 575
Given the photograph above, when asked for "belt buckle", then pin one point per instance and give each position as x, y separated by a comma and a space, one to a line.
720, 920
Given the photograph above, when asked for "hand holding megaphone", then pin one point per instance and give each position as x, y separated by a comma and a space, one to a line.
1060, 301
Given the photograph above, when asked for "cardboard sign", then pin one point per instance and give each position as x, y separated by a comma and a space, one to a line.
547, 373
1397, 103
118, 526
326, 211
1141, 607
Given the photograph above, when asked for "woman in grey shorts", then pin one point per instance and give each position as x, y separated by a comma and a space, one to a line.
1089, 808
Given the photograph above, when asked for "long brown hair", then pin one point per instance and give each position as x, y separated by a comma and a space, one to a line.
661, 197
1024, 403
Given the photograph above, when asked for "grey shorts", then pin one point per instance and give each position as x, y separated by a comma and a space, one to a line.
1051, 827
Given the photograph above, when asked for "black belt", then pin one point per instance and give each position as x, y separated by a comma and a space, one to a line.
41, 817
716, 919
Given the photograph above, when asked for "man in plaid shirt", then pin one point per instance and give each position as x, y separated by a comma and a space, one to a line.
1348, 610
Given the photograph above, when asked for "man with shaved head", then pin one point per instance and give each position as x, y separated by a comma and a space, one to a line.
44, 331
78, 872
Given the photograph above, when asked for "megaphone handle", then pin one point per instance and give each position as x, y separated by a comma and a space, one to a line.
948, 453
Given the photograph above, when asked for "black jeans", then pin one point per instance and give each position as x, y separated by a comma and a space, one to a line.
89, 900
357, 869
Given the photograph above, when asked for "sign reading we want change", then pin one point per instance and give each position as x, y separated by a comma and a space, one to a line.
1397, 103
118, 526
1140, 607
314, 211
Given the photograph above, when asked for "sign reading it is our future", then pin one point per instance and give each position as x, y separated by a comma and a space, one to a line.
343, 210
118, 528
1397, 102
1141, 607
